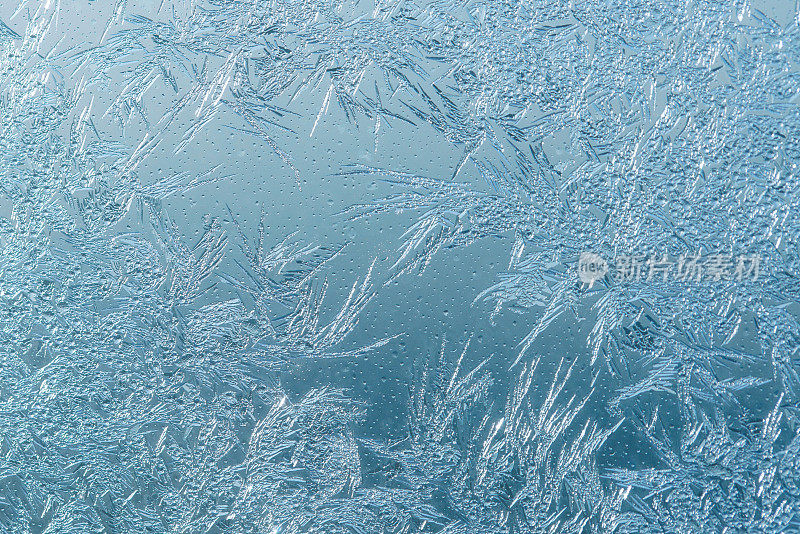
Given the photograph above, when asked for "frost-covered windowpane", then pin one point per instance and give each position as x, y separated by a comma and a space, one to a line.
367, 266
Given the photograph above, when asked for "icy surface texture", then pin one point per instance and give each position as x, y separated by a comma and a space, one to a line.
335, 266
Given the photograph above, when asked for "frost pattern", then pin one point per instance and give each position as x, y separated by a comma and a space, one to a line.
151, 367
